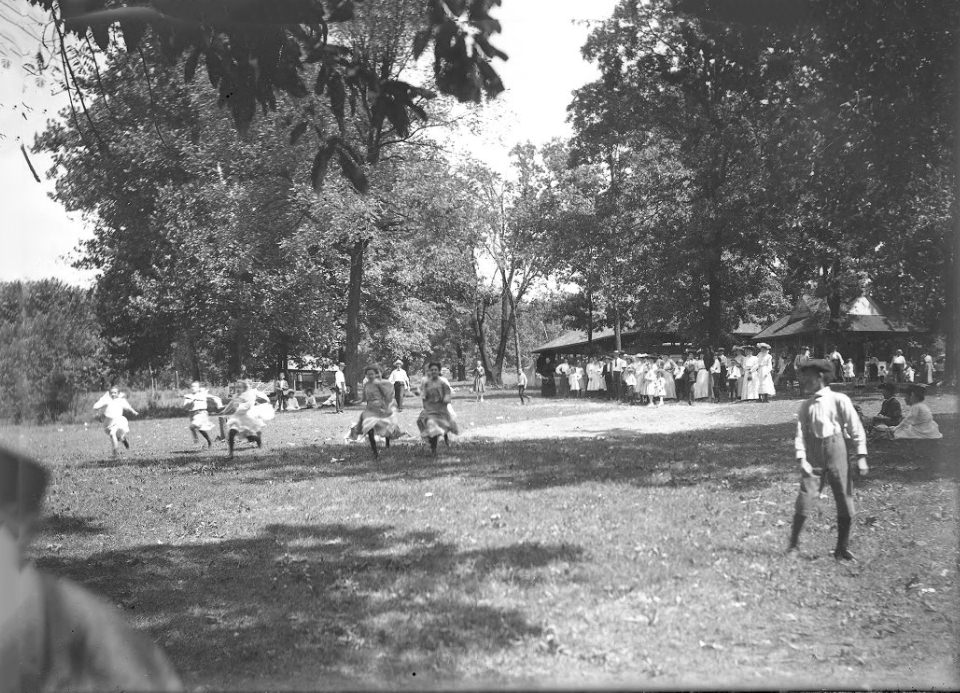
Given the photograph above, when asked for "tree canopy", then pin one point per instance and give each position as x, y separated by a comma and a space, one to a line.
800, 148
255, 50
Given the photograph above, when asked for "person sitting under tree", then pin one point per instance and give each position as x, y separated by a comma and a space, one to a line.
891, 413
918, 421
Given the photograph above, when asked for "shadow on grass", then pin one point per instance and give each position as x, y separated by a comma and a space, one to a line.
68, 524
740, 459
746, 458
366, 602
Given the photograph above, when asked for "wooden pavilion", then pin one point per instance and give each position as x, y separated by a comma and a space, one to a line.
866, 328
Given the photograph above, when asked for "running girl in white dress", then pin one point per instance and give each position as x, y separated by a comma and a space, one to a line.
195, 402
249, 413
114, 406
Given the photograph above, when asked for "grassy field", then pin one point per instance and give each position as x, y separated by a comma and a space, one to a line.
622, 558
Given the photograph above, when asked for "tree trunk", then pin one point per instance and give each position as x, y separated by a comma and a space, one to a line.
194, 360
952, 283
589, 318
236, 358
506, 316
477, 320
617, 340
952, 302
516, 331
352, 350
714, 321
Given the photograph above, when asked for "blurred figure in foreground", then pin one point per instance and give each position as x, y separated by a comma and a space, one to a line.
54, 634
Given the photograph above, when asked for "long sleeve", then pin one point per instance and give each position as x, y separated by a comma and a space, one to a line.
852, 425
103, 401
799, 443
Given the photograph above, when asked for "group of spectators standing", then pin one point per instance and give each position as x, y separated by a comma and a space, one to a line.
898, 370
748, 372
745, 374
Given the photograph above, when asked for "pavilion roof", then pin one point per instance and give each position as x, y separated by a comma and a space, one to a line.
861, 315
574, 340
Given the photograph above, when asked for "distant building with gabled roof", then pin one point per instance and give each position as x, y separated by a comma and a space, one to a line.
865, 327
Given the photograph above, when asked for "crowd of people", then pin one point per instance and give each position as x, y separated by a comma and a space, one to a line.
747, 373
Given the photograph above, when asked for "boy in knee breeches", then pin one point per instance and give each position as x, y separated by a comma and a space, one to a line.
823, 423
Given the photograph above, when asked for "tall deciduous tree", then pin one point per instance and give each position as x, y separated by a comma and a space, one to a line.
514, 238
672, 79
49, 348
254, 49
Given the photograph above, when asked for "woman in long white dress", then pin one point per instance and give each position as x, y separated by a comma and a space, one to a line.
750, 380
667, 365
437, 417
379, 416
765, 372
115, 405
249, 413
701, 386
595, 381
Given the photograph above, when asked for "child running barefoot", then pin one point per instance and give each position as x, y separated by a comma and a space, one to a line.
114, 406
379, 417
195, 402
250, 411
436, 419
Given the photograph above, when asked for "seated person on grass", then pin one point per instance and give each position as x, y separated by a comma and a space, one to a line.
918, 423
891, 412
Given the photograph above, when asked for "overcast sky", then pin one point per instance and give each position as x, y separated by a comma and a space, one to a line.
542, 37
